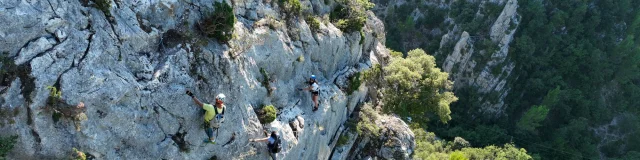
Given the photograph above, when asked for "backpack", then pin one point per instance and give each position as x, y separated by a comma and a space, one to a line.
219, 116
276, 146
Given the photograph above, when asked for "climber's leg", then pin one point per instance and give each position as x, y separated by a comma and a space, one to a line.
273, 155
315, 101
209, 132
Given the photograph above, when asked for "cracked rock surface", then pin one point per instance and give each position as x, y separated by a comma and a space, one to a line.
132, 66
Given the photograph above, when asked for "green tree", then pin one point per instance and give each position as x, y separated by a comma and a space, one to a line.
416, 87
430, 148
532, 118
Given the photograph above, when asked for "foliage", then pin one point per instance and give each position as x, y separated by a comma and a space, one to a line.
416, 87
55, 97
457, 155
219, 24
429, 147
268, 114
266, 80
54, 92
291, 7
343, 139
589, 49
78, 155
350, 15
104, 6
362, 37
354, 83
375, 72
366, 125
532, 118
314, 23
6, 144
395, 54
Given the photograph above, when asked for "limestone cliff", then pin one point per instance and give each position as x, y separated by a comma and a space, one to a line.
471, 42
131, 64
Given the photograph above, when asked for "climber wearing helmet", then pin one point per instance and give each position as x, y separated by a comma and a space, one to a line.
274, 144
315, 91
213, 116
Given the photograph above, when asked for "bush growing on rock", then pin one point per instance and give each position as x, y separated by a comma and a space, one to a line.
291, 7
267, 114
104, 6
6, 144
314, 23
219, 24
354, 83
350, 15
343, 139
366, 125
78, 155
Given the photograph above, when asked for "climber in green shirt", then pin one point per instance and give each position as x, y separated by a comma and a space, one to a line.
213, 116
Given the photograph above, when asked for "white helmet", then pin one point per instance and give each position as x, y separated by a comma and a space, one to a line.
220, 97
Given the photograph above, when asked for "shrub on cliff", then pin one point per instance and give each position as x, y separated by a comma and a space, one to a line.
267, 114
291, 7
6, 144
350, 15
314, 23
104, 6
366, 126
219, 24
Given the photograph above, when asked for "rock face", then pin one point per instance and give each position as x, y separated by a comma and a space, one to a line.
492, 76
132, 66
396, 141
474, 58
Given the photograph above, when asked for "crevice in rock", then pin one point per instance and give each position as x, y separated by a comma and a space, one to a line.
113, 29
173, 115
86, 51
141, 24
12, 71
84, 3
36, 136
29, 116
178, 138
117, 2
52, 10
158, 122
171, 38
101, 114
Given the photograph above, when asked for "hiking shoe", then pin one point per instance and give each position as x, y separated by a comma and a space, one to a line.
315, 109
209, 141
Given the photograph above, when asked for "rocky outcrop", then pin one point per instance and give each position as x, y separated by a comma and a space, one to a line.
395, 141
132, 65
489, 75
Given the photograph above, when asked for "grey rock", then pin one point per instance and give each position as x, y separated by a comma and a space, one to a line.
34, 48
133, 86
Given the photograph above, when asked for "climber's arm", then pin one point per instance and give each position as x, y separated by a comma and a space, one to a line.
195, 99
306, 89
197, 102
259, 139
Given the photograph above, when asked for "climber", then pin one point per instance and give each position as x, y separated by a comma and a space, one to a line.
213, 116
274, 144
315, 92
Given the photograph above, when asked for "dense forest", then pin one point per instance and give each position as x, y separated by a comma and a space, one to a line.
575, 88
